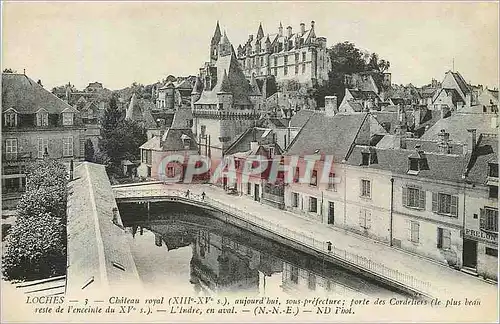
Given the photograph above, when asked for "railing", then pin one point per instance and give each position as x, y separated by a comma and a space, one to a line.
306, 239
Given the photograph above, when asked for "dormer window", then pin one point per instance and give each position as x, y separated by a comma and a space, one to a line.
186, 141
493, 170
42, 118
417, 161
68, 118
413, 164
368, 157
10, 119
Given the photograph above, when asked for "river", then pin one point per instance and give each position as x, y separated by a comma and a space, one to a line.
182, 250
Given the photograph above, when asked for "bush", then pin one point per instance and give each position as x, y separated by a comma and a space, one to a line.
36, 245
36, 248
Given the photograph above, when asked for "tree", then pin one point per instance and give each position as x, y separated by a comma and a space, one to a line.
89, 150
377, 65
112, 116
36, 245
122, 143
9, 70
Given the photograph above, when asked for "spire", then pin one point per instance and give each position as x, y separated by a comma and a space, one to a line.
225, 40
133, 111
280, 29
225, 86
217, 35
260, 32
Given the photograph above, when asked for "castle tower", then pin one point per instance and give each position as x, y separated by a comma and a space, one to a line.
224, 96
260, 33
196, 93
225, 47
214, 44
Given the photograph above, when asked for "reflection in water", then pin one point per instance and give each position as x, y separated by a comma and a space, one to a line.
186, 251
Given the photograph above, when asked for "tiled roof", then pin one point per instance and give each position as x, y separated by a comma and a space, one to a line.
301, 117
355, 106
238, 85
457, 125
180, 117
485, 152
242, 142
388, 119
461, 82
330, 135
359, 94
444, 167
152, 144
172, 139
26, 96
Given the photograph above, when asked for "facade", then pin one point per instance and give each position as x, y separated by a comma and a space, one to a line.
223, 102
300, 56
174, 94
36, 123
434, 196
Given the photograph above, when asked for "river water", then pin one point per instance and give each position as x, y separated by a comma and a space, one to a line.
182, 250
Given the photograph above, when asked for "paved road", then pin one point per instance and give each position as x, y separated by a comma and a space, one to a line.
441, 280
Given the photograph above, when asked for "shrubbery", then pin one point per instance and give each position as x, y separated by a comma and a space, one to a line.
36, 245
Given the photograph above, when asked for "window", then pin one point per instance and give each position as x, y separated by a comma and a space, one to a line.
294, 274
303, 68
365, 218
489, 219
275, 61
295, 199
414, 198
68, 146
445, 204
493, 192
67, 119
444, 238
365, 158
285, 58
82, 147
314, 178
296, 57
11, 149
313, 204
203, 129
170, 172
303, 56
43, 146
366, 188
413, 164
296, 69
413, 231
221, 106
285, 70
491, 252
10, 119
144, 156
249, 188
331, 182
493, 170
311, 282
42, 118
261, 61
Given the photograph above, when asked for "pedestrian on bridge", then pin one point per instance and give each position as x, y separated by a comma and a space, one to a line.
187, 193
203, 195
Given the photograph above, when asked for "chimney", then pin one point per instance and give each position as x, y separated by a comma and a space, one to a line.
312, 24
444, 139
40, 83
471, 140
331, 108
254, 145
289, 31
401, 137
302, 28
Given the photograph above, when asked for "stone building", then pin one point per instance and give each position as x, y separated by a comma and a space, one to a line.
223, 102
36, 124
300, 56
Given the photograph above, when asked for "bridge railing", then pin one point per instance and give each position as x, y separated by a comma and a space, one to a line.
308, 240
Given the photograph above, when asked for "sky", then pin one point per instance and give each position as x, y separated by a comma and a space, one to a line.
117, 43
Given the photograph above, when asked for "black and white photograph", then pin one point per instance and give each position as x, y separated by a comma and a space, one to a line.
257, 162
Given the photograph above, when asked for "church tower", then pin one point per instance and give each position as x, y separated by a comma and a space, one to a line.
214, 44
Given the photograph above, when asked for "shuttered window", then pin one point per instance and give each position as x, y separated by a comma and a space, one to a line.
414, 198
445, 204
365, 218
413, 231
444, 238
489, 219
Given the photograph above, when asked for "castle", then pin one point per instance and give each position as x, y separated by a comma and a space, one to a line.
299, 56
224, 103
